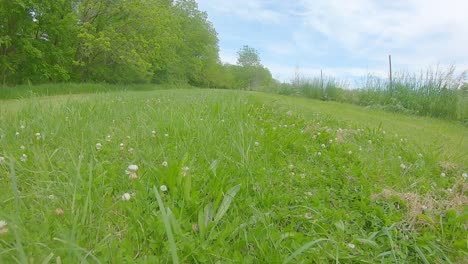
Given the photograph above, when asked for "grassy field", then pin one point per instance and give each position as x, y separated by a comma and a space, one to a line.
227, 177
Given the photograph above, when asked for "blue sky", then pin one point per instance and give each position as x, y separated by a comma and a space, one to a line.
346, 39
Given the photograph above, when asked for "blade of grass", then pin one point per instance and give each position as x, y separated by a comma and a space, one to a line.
167, 226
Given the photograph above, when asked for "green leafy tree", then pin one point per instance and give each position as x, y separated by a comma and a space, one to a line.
248, 57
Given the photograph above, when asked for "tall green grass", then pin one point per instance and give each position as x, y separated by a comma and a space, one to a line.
226, 177
27, 91
434, 92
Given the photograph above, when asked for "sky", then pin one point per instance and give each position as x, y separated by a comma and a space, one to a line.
346, 39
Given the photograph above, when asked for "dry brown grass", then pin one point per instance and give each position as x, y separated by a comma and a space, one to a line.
429, 204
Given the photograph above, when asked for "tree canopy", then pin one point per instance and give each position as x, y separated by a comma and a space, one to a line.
114, 41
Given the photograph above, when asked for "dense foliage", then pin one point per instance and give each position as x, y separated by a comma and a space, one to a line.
115, 41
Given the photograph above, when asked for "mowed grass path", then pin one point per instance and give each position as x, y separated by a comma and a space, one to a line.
227, 177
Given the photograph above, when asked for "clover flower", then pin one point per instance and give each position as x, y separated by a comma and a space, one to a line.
22, 147
290, 166
323, 146
130, 151
319, 153
122, 146
403, 166
257, 143
308, 216
163, 188
59, 211
17, 133
131, 171
38, 136
108, 138
351, 246
126, 196
350, 152
153, 133
185, 170
164, 163
24, 158
98, 146
3, 229
442, 174
464, 175
2, 160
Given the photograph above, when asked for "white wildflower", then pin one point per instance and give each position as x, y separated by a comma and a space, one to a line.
290, 166
24, 158
308, 216
122, 146
22, 127
131, 171
163, 188
319, 153
185, 170
38, 136
309, 193
98, 146
108, 138
22, 147
330, 141
126, 196
166, 135
51, 197
59, 211
360, 148
3, 223
350, 152
153, 133
2, 160
323, 146
164, 163
420, 155
369, 141
17, 133
303, 175
464, 175
130, 151
257, 143
442, 174
403, 166
351, 246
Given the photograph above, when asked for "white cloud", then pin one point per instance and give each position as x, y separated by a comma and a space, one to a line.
255, 10
419, 31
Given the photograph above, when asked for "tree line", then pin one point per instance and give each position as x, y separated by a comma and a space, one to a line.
117, 41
